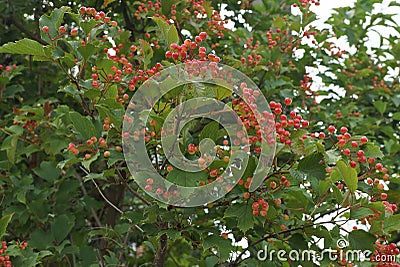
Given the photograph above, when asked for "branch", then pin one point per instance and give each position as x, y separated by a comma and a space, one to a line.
20, 27
159, 259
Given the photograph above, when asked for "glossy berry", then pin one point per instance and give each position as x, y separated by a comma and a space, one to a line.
45, 29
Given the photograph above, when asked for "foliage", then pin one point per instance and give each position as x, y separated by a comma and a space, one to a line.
66, 80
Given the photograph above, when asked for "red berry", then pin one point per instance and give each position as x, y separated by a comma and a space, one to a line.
168, 54
383, 196
343, 129
378, 166
198, 39
203, 35
363, 140
62, 29
288, 101
353, 164
45, 29
346, 152
354, 144
74, 32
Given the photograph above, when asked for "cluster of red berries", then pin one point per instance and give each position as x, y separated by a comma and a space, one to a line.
380, 84
306, 84
260, 207
252, 57
392, 208
31, 126
191, 50
283, 122
148, 8
192, 149
386, 254
159, 191
103, 77
335, 50
195, 7
7, 69
217, 24
90, 147
280, 38
305, 3
91, 12
4, 258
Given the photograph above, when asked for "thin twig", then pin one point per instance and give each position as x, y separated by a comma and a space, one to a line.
101, 193
106, 199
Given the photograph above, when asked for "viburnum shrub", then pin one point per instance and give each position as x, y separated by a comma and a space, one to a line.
69, 77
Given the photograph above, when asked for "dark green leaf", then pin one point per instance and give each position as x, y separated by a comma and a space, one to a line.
82, 125
361, 240
62, 226
244, 214
313, 165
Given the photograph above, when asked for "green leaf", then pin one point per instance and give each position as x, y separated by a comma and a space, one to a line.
323, 187
188, 179
332, 156
244, 214
361, 240
87, 162
373, 151
298, 146
396, 116
223, 246
40, 239
312, 165
48, 171
392, 223
62, 226
279, 22
346, 173
168, 31
88, 25
295, 26
115, 157
24, 47
10, 145
106, 112
134, 217
87, 50
210, 131
360, 213
147, 52
4, 221
82, 125
53, 21
221, 92
380, 106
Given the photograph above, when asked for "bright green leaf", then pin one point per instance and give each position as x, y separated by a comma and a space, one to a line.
346, 173
4, 221
24, 47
